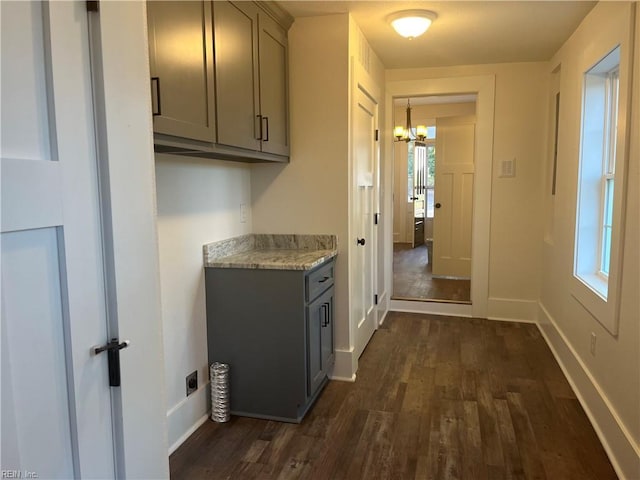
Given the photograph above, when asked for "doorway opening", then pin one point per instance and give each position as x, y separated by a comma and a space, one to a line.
433, 199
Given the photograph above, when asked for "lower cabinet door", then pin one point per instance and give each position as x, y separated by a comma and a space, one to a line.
320, 354
315, 320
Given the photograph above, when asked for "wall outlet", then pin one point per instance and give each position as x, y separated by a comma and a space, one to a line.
243, 213
192, 382
593, 344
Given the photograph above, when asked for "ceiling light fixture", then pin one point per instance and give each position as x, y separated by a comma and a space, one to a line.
412, 23
406, 133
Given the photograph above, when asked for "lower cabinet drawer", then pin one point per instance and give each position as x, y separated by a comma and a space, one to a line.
318, 281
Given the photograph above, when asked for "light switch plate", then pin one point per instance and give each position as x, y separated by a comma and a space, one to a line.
508, 168
243, 213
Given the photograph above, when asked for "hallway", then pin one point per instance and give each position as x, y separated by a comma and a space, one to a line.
435, 398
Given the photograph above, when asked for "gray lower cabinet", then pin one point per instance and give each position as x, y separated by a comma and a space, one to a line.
275, 330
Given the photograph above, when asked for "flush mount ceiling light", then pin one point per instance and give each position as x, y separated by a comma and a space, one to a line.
412, 23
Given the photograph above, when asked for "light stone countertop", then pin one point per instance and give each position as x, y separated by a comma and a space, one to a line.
274, 252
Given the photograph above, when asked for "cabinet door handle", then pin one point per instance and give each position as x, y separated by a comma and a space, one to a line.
324, 279
325, 314
259, 117
266, 136
158, 111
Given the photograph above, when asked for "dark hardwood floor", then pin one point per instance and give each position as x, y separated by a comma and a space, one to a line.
435, 398
412, 278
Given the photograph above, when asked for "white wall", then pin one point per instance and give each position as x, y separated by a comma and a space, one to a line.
516, 214
609, 381
198, 202
311, 193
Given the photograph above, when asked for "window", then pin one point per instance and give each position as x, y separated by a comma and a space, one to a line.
421, 158
597, 174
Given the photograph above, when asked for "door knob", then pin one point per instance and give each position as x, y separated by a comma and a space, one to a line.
361, 241
437, 205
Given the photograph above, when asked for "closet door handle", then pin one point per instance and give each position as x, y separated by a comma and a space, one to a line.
158, 111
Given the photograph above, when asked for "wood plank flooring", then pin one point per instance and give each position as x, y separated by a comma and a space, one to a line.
412, 278
435, 398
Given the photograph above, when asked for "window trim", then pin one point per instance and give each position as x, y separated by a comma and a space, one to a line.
596, 292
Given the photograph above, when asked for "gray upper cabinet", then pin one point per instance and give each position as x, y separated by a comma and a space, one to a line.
219, 79
181, 64
236, 46
274, 98
251, 76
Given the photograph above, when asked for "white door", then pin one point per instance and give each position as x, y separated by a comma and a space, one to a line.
452, 222
56, 407
363, 271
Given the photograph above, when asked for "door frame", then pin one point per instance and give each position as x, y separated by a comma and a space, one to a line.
484, 87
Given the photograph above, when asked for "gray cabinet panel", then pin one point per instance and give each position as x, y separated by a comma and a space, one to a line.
236, 46
181, 64
278, 344
274, 107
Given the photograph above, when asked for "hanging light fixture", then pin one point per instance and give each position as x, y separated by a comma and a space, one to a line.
412, 23
406, 133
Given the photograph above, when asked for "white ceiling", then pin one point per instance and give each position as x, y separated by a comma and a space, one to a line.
465, 32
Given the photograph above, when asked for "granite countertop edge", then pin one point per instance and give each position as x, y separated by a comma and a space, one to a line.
271, 252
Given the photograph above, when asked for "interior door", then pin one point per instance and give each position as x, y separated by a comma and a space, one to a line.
452, 222
56, 409
365, 120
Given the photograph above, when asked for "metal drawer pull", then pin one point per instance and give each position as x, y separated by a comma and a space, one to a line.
361, 241
324, 279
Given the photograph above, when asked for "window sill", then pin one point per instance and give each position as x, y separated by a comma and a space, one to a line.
593, 293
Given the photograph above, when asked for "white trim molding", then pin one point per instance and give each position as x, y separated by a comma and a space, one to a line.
346, 365
433, 308
617, 441
513, 310
484, 87
185, 417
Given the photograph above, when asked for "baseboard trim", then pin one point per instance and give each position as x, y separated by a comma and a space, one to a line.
622, 450
187, 415
345, 366
433, 308
382, 308
512, 310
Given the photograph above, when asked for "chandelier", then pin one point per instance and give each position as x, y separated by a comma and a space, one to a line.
407, 133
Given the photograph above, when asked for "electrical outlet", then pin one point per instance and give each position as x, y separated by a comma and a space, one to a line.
593, 344
243, 213
192, 382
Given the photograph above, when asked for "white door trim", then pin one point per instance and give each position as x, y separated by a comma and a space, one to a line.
484, 86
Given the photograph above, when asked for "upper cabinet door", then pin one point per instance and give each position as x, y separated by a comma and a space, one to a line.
237, 95
181, 62
274, 107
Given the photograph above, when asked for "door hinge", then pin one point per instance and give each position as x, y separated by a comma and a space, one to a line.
93, 6
377, 134
376, 218
375, 299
